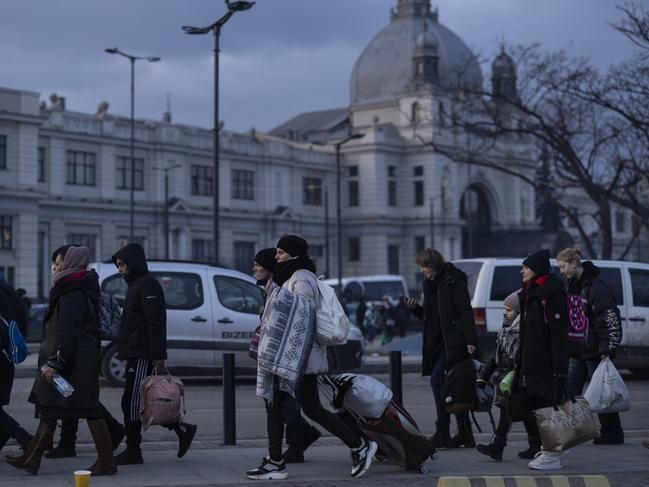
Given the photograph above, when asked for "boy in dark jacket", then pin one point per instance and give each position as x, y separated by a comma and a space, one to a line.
501, 362
142, 343
604, 333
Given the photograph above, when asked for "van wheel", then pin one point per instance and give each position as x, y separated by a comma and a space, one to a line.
112, 368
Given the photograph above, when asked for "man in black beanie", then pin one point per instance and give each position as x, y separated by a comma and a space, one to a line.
539, 262
300, 434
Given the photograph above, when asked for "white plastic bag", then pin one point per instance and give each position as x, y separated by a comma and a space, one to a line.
607, 392
332, 324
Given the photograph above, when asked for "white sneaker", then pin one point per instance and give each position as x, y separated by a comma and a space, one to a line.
362, 458
545, 460
268, 470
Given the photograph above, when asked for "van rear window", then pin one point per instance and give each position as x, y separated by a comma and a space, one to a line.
375, 290
506, 280
472, 271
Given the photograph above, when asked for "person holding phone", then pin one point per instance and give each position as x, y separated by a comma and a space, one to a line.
449, 337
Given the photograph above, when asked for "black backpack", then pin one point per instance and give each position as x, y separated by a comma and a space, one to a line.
458, 390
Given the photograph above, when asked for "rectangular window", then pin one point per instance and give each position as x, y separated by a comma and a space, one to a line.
124, 241
86, 239
392, 193
312, 190
392, 172
419, 193
6, 232
393, 259
354, 249
353, 193
201, 180
243, 185
3, 152
640, 285
419, 171
244, 255
620, 222
81, 168
41, 164
353, 171
420, 244
202, 250
123, 177
10, 274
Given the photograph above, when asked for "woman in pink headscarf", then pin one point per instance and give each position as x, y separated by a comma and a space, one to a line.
70, 348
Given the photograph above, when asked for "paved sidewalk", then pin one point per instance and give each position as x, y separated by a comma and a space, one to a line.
625, 466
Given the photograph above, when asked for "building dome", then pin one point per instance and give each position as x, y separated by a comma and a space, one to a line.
384, 70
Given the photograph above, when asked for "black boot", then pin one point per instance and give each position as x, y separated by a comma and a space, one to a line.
464, 437
534, 448
67, 440
493, 449
185, 434
441, 438
116, 430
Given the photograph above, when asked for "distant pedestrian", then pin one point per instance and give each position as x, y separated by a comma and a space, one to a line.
449, 337
373, 321
294, 290
604, 333
501, 362
70, 348
542, 362
300, 434
388, 319
142, 343
360, 315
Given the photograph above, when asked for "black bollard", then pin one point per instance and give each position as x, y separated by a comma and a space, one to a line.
229, 401
396, 383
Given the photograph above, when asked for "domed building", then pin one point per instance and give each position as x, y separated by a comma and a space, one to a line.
399, 194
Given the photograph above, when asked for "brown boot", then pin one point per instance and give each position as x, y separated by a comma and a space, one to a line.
105, 463
30, 461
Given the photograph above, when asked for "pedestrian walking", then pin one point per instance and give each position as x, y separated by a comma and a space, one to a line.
373, 321
12, 306
542, 361
70, 349
604, 333
388, 320
294, 289
501, 362
300, 434
142, 343
360, 315
9, 427
449, 337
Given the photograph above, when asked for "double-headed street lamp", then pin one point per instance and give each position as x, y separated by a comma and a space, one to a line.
166, 170
132, 59
215, 29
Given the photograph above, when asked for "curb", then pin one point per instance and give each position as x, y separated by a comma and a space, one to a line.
526, 481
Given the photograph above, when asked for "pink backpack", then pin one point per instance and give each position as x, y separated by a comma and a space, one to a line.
162, 400
577, 320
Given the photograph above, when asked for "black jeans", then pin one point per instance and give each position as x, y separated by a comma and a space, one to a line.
504, 425
443, 421
578, 372
136, 371
9, 428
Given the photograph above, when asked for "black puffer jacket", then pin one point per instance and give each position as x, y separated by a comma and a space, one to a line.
449, 325
143, 330
542, 361
71, 344
605, 328
6, 368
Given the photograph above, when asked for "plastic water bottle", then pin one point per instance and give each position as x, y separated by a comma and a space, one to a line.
61, 385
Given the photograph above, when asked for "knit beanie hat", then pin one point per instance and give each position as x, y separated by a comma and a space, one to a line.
539, 262
266, 259
293, 245
512, 301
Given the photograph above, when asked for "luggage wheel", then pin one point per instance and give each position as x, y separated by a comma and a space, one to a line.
423, 469
434, 456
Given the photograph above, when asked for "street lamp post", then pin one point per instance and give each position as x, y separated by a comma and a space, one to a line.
166, 170
215, 29
132, 59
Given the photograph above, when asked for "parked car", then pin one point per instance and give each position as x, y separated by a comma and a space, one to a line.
210, 310
492, 279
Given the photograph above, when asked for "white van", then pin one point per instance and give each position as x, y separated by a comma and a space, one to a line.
492, 279
210, 310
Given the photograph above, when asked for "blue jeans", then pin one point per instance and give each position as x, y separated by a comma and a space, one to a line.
436, 381
578, 372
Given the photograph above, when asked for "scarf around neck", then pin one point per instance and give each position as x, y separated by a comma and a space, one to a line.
284, 270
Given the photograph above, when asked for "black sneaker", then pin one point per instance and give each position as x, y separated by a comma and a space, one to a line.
130, 456
362, 458
61, 452
268, 470
185, 437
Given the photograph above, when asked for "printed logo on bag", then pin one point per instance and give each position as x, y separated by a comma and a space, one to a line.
574, 419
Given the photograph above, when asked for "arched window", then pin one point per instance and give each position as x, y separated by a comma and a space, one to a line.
415, 113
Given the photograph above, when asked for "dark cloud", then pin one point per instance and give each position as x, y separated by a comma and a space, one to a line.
278, 59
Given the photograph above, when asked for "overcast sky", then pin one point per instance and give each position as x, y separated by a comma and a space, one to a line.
281, 58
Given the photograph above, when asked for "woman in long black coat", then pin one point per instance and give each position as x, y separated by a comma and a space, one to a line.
9, 427
449, 337
70, 348
542, 361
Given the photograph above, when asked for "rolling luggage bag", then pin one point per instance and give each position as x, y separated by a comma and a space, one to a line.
395, 431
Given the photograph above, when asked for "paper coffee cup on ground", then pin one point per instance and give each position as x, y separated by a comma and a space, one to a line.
82, 478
